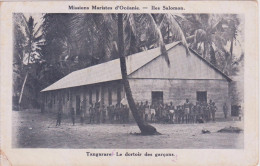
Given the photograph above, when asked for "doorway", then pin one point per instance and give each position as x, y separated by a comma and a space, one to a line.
202, 96
157, 97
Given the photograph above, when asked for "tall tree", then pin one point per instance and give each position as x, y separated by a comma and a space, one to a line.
28, 42
93, 35
58, 48
18, 56
145, 128
204, 28
210, 35
230, 34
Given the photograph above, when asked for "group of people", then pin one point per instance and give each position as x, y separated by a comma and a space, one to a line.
99, 113
186, 113
158, 112
118, 113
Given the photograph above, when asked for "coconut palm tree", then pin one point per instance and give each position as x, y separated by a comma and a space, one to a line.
209, 34
145, 128
30, 45
230, 34
58, 43
204, 30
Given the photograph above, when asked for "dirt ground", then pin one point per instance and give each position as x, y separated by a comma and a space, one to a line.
31, 129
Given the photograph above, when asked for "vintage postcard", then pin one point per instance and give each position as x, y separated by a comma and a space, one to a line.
129, 83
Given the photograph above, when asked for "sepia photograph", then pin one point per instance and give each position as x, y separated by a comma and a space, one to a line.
128, 80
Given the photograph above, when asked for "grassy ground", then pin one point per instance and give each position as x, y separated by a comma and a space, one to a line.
36, 130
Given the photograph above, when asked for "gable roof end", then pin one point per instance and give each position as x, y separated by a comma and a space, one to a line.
211, 65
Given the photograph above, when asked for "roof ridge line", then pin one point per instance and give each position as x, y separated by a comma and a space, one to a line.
176, 43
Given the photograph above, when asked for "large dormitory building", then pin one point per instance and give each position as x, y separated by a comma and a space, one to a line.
150, 78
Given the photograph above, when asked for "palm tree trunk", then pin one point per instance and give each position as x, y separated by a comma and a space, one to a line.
168, 35
231, 47
231, 56
145, 128
21, 94
25, 79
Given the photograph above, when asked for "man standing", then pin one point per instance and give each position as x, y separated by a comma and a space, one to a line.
160, 110
92, 114
117, 110
59, 113
196, 112
121, 113
193, 113
187, 110
147, 110
83, 108
58, 118
98, 111
210, 104
200, 112
104, 111
152, 113
181, 115
171, 112
157, 111
205, 111
225, 109
109, 113
113, 113
177, 114
209, 111
213, 109
82, 115
72, 113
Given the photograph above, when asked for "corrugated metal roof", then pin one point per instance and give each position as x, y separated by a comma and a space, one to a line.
108, 71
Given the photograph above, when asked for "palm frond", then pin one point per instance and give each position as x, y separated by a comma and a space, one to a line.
131, 21
37, 31
25, 24
176, 31
107, 32
156, 30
